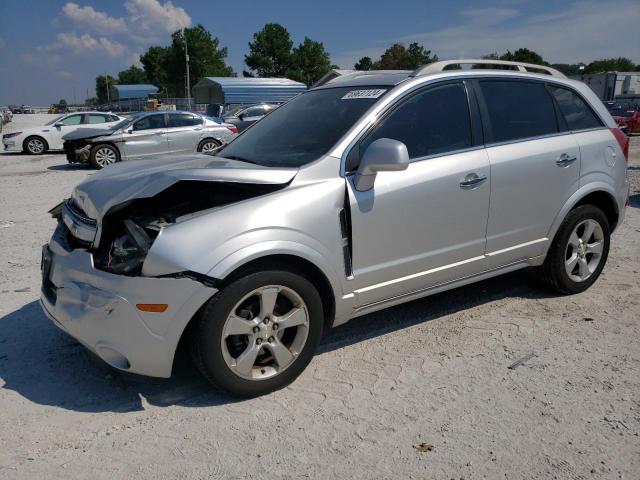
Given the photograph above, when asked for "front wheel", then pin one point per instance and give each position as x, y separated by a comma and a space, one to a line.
35, 145
259, 332
103, 155
578, 252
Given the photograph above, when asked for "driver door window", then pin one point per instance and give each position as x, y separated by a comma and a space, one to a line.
149, 123
431, 122
71, 120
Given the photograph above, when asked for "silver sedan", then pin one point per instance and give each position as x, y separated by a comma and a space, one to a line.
147, 134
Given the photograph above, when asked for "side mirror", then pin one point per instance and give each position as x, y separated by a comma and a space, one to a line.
58, 125
241, 116
383, 155
130, 130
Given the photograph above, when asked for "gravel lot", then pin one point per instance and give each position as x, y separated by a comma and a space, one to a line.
430, 372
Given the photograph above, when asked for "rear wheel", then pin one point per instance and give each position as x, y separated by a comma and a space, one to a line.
259, 332
35, 145
104, 155
578, 252
208, 145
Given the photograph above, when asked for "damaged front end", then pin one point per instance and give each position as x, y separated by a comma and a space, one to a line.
129, 229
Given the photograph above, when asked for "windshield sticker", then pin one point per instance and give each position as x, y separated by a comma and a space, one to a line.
371, 93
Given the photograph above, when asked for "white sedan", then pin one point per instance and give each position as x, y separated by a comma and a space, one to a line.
37, 140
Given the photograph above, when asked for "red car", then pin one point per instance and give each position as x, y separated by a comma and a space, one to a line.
627, 120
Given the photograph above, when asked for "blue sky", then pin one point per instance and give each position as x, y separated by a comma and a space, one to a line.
52, 49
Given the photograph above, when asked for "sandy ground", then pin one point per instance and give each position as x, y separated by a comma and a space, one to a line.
430, 372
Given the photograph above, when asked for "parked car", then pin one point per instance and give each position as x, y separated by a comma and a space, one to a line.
15, 109
247, 116
7, 114
38, 140
147, 134
627, 120
27, 109
363, 193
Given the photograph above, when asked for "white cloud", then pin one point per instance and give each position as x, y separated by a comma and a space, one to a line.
579, 31
93, 19
84, 44
150, 16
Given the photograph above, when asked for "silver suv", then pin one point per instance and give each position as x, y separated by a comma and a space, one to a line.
366, 192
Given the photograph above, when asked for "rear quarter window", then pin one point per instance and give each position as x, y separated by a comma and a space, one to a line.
518, 110
575, 110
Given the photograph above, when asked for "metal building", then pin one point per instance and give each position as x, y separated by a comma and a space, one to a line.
238, 91
130, 92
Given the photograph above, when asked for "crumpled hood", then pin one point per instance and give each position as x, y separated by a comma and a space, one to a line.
145, 178
82, 133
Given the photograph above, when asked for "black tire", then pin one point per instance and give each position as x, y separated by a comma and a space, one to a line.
206, 337
208, 141
30, 145
553, 272
96, 158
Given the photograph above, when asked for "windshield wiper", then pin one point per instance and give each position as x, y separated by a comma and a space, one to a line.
240, 159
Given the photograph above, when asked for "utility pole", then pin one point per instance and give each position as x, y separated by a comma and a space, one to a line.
186, 58
106, 81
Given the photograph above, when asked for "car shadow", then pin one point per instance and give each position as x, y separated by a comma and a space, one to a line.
46, 366
69, 167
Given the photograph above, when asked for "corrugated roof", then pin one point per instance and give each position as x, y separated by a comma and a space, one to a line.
228, 90
123, 92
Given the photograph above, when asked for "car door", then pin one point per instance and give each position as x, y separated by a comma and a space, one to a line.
184, 131
147, 136
535, 166
62, 127
426, 225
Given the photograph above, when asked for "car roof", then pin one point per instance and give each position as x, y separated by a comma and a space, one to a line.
358, 79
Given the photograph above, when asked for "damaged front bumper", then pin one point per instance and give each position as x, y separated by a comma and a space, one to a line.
100, 310
77, 153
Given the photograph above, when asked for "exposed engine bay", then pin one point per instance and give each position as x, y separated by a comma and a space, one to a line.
129, 229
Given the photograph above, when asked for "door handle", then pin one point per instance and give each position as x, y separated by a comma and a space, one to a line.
472, 180
565, 160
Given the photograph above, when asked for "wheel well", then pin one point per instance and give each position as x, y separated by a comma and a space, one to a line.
107, 143
209, 138
604, 202
299, 265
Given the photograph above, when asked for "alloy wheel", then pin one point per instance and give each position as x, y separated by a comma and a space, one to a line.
265, 332
105, 156
35, 146
584, 250
208, 147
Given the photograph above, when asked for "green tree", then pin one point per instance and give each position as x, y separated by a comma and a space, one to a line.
270, 52
206, 58
309, 62
132, 76
620, 64
399, 57
91, 101
418, 56
365, 63
154, 62
62, 102
103, 82
523, 55
569, 69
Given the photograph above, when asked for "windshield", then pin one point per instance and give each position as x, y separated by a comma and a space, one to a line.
303, 129
57, 119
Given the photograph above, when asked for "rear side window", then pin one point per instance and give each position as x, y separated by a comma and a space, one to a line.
97, 118
150, 122
183, 120
518, 110
576, 112
432, 122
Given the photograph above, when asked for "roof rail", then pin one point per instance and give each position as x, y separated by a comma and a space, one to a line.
521, 67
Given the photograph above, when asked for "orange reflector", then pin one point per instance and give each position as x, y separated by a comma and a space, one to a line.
152, 307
